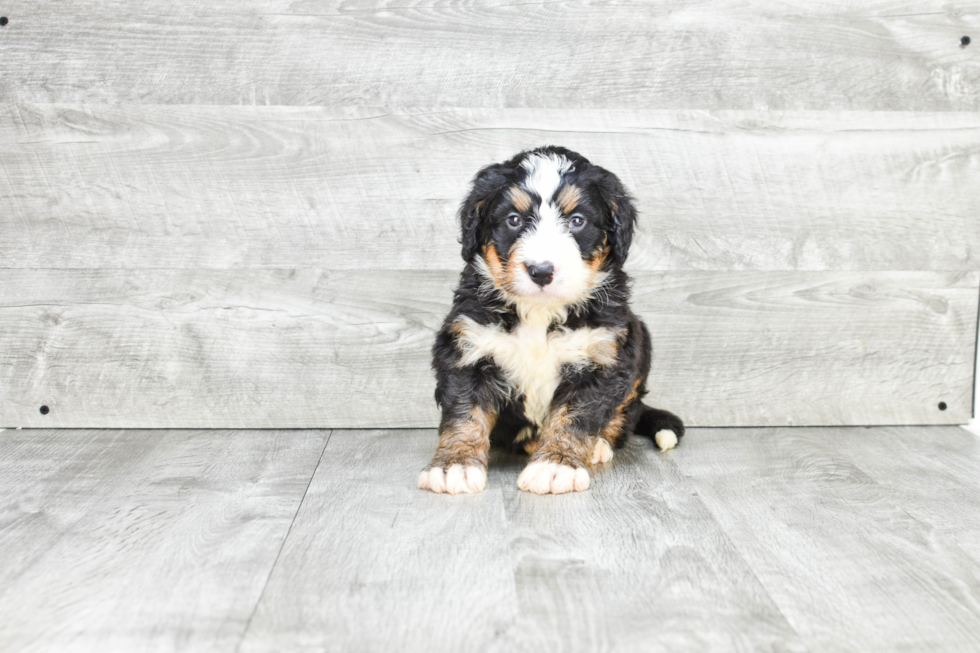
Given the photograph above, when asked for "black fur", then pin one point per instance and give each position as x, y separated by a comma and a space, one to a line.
593, 394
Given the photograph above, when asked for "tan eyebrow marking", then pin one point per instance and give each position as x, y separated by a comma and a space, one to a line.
520, 199
569, 198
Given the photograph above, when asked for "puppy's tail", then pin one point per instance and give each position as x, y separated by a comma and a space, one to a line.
663, 427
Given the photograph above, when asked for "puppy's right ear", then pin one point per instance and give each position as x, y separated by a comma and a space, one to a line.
473, 213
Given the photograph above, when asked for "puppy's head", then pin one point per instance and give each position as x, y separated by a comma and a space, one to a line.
546, 226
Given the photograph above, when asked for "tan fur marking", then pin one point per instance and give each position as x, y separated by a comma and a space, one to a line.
597, 262
568, 198
520, 199
557, 445
559, 422
632, 395
465, 442
503, 274
496, 267
613, 431
512, 268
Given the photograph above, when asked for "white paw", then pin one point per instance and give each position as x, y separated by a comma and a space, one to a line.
457, 480
551, 478
666, 439
602, 453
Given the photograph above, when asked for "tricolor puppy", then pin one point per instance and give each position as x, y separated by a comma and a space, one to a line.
541, 349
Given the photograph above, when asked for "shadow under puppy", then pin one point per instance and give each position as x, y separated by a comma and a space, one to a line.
541, 349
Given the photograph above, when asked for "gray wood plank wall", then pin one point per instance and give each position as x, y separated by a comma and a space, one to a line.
316, 348
809, 240
678, 54
281, 187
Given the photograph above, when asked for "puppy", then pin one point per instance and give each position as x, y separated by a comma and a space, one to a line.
541, 350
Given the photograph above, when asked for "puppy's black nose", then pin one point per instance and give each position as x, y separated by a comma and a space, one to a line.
541, 273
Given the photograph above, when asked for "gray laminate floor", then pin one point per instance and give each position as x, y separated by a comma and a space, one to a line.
818, 539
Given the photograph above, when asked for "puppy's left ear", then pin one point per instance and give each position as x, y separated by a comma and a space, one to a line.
473, 212
622, 215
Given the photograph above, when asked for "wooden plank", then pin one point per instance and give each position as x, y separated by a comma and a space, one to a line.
632, 564
315, 348
278, 348
850, 567
39, 467
883, 55
809, 349
751, 539
148, 541
282, 187
933, 473
373, 563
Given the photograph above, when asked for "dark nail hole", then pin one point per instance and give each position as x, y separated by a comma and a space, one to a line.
45, 410
965, 41
3, 21
942, 405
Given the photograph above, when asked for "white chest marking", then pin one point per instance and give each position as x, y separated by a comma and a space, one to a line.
531, 357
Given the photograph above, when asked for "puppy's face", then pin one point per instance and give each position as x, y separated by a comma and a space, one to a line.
546, 226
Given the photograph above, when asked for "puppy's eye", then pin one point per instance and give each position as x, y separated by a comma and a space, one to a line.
514, 220
576, 221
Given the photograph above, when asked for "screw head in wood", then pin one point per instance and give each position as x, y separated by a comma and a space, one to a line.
965, 41
942, 405
3, 21
45, 410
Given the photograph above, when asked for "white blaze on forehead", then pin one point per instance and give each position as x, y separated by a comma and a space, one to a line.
544, 174
549, 240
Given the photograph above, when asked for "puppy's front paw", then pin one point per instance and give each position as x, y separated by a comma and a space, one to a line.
458, 479
545, 477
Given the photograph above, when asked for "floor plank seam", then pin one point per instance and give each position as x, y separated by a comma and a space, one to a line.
282, 545
976, 365
738, 550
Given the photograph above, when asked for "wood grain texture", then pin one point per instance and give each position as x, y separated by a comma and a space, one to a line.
282, 187
316, 348
844, 539
372, 563
142, 541
882, 55
621, 566
265, 348
933, 474
847, 558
